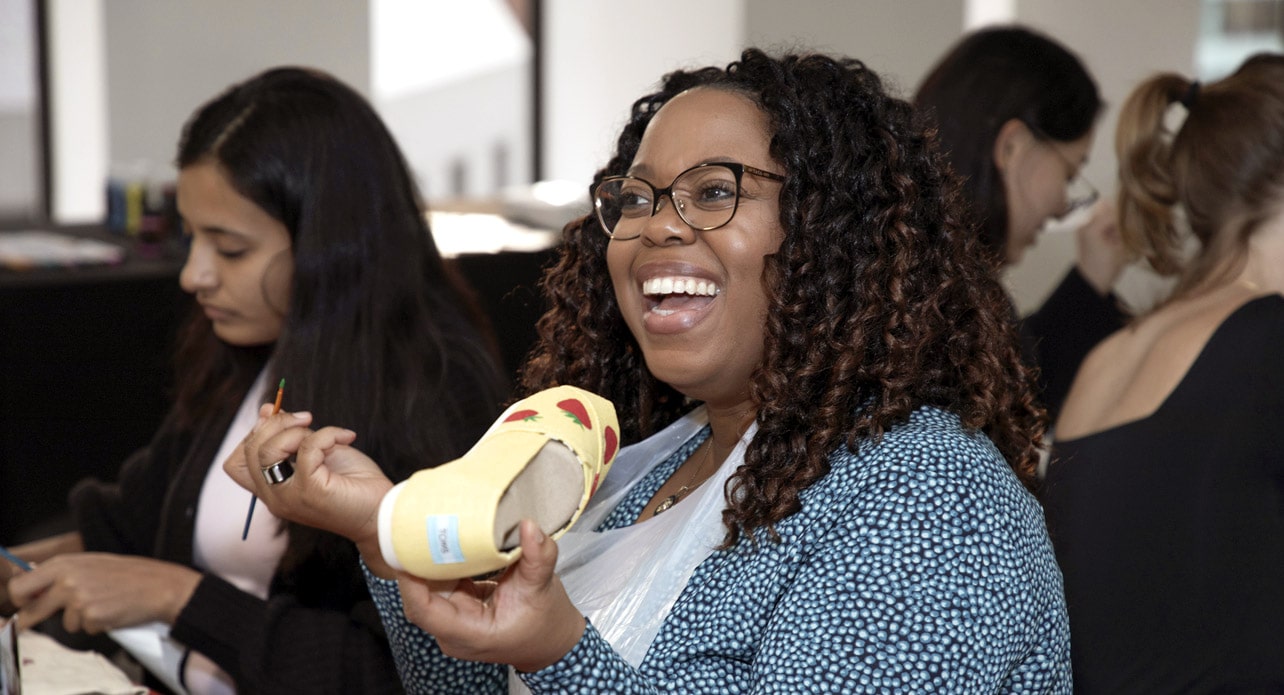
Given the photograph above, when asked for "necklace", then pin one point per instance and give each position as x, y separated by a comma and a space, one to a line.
673, 499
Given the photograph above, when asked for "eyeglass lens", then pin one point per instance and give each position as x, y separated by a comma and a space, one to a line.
1079, 193
705, 198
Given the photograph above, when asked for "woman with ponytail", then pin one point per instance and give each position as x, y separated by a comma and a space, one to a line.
1165, 493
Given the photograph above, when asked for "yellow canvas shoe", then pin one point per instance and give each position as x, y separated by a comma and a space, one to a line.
542, 459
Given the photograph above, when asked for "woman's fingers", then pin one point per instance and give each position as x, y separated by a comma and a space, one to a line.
99, 591
525, 619
539, 556
449, 611
277, 437
26, 587
274, 438
333, 486
245, 465
313, 449
37, 597
1101, 254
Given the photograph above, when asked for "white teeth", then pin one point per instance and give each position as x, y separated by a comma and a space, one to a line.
680, 285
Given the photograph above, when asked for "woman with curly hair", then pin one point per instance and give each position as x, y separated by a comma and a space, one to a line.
780, 299
1165, 487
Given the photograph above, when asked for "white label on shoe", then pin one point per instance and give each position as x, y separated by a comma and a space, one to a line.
443, 539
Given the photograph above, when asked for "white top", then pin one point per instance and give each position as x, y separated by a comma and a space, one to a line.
625, 580
217, 546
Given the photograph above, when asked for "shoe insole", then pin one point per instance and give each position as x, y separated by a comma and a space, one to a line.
548, 490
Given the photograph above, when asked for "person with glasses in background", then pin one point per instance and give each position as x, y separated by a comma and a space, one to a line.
1015, 114
830, 426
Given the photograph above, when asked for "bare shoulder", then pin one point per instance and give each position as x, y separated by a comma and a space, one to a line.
1130, 374
1099, 381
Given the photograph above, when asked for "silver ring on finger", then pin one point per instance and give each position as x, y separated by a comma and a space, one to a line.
278, 472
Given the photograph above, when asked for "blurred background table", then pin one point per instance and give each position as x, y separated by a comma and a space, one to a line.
85, 354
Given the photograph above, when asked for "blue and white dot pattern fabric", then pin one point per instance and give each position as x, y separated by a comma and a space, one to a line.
917, 565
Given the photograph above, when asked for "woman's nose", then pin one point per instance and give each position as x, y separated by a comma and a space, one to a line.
666, 226
198, 272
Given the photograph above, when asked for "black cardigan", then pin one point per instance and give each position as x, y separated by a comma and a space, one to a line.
317, 631
1057, 336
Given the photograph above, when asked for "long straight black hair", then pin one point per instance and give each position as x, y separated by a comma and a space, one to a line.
376, 337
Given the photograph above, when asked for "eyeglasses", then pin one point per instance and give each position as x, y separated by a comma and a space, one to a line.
706, 197
1080, 193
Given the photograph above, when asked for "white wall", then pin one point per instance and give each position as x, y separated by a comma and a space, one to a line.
126, 74
899, 39
601, 56
20, 185
477, 130
78, 106
129, 72
453, 82
164, 59
1121, 43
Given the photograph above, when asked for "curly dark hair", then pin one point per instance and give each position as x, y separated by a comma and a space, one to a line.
881, 298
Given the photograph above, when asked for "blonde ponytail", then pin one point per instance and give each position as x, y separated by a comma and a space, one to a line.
1223, 169
1147, 191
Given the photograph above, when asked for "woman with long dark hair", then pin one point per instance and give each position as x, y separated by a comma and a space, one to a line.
1016, 112
312, 263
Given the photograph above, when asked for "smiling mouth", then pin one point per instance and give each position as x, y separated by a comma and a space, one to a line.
670, 294
215, 313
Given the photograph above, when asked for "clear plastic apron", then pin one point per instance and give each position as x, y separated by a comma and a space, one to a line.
625, 580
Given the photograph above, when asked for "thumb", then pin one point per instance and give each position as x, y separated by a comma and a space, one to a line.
539, 554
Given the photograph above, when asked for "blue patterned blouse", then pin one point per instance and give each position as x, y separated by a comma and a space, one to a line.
919, 564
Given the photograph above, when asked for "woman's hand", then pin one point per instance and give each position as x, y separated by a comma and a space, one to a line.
1101, 253
34, 553
101, 591
8, 570
334, 486
526, 620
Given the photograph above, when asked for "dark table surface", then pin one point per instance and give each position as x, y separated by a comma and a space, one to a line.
84, 373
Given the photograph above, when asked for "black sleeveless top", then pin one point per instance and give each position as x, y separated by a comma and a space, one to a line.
1170, 529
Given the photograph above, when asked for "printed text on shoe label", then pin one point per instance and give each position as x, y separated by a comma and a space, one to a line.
443, 539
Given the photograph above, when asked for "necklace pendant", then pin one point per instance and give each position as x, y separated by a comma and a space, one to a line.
665, 504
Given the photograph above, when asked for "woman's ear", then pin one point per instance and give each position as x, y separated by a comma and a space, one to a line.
1013, 137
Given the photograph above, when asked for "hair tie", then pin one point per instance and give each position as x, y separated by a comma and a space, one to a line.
1192, 93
